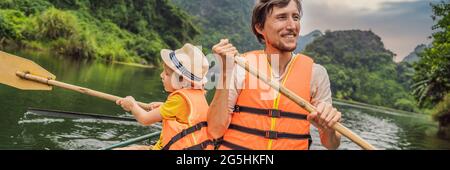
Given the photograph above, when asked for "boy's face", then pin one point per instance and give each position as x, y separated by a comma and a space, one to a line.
166, 78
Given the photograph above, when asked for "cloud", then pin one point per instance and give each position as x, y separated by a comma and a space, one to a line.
357, 5
402, 24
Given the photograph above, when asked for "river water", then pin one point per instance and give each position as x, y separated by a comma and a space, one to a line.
20, 129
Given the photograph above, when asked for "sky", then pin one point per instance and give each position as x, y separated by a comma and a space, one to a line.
401, 24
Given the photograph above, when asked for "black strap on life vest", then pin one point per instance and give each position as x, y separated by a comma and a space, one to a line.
270, 112
220, 142
269, 134
233, 146
200, 146
275, 113
186, 132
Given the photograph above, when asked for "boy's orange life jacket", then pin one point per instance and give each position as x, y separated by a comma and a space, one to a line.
263, 119
191, 136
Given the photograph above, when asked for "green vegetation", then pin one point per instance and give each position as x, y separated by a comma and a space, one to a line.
115, 30
361, 69
442, 108
441, 113
12, 24
432, 72
222, 19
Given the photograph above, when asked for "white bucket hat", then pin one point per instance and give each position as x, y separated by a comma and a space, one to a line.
189, 62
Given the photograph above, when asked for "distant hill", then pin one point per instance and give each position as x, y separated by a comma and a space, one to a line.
414, 56
361, 68
353, 49
305, 40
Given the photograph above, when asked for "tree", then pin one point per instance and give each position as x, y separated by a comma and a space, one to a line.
432, 76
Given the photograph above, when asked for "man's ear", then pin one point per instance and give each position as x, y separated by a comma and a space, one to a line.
259, 29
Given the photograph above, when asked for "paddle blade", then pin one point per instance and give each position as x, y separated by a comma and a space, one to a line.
10, 64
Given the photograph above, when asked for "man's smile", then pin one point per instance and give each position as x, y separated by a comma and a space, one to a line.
289, 36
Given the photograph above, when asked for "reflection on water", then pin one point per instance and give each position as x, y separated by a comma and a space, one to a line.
23, 130
387, 130
77, 133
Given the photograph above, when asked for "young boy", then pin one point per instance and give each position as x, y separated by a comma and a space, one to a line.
183, 115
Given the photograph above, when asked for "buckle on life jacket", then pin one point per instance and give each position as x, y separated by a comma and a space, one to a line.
271, 134
199, 126
217, 142
200, 146
236, 108
274, 113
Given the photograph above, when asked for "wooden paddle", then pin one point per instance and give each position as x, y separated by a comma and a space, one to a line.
17, 72
80, 115
132, 141
303, 103
77, 115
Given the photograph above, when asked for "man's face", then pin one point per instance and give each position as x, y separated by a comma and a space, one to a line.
282, 28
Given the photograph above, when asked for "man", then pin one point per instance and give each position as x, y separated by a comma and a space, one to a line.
261, 118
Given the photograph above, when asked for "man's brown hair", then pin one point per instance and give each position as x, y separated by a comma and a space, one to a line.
263, 8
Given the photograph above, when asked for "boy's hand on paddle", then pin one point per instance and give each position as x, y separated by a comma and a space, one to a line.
155, 105
127, 103
325, 117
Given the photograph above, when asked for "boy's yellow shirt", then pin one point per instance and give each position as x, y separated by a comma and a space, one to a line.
175, 108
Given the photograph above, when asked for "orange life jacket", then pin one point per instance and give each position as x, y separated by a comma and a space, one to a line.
265, 120
191, 136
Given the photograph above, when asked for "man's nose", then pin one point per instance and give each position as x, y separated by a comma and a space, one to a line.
291, 23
